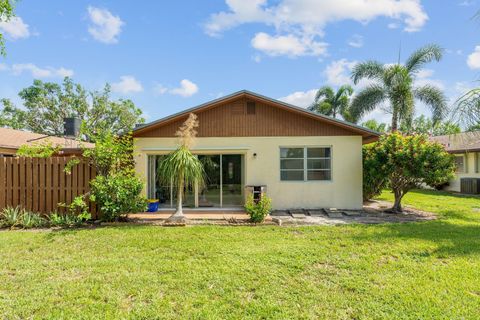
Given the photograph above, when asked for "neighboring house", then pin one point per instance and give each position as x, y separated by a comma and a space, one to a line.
11, 140
466, 148
302, 159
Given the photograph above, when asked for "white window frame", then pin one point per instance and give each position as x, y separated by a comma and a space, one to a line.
464, 170
305, 163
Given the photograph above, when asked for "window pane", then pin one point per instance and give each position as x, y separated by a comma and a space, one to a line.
291, 175
291, 164
459, 163
318, 163
291, 152
319, 175
318, 152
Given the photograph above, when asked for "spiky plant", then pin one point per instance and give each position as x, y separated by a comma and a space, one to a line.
393, 87
181, 168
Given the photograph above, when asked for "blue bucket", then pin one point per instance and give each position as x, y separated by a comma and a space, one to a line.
153, 206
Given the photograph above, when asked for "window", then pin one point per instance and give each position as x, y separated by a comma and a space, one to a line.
305, 164
477, 162
460, 163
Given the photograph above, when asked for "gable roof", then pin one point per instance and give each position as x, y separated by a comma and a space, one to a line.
13, 139
460, 142
367, 134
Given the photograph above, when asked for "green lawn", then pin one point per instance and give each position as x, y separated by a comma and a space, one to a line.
395, 271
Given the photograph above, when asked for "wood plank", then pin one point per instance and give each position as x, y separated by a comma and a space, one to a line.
55, 191
16, 183
21, 185
74, 174
68, 185
41, 185
48, 185
9, 181
61, 176
3, 183
35, 170
28, 184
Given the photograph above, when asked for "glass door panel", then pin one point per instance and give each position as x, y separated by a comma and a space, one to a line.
209, 194
232, 180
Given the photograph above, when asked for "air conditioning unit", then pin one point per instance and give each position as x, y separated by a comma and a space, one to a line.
470, 185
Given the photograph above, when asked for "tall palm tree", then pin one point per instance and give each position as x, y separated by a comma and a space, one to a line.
181, 168
394, 85
331, 103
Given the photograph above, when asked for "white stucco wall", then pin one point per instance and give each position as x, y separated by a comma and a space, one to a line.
471, 171
344, 191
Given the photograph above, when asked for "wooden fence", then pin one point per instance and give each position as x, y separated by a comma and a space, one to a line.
41, 184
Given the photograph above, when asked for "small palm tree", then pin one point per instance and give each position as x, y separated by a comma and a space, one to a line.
181, 168
331, 103
395, 84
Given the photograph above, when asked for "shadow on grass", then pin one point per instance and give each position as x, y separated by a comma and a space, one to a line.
452, 238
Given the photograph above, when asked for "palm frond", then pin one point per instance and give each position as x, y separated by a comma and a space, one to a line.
181, 164
367, 100
424, 55
433, 98
467, 108
368, 69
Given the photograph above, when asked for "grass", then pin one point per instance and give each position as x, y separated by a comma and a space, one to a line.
397, 271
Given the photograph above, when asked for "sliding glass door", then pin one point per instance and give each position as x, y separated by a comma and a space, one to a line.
224, 183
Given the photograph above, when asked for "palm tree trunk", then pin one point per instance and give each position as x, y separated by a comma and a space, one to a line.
178, 215
394, 121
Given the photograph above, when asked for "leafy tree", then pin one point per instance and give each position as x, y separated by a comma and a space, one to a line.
394, 86
181, 167
374, 180
11, 116
372, 124
44, 149
6, 13
47, 104
116, 188
409, 162
331, 103
424, 125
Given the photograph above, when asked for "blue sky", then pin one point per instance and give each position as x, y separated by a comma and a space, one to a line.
170, 55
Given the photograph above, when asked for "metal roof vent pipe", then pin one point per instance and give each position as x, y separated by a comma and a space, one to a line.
71, 127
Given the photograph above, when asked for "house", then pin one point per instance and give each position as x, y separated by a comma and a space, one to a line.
299, 158
11, 140
466, 148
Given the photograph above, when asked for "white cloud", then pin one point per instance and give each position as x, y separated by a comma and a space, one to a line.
356, 41
187, 89
300, 98
473, 59
338, 72
424, 77
15, 28
105, 27
126, 85
312, 16
393, 25
37, 72
288, 45
299, 23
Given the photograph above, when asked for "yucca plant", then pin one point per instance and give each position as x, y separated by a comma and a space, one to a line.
181, 168
11, 216
33, 220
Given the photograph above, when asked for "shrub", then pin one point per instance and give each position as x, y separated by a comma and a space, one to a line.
65, 220
258, 210
78, 209
374, 180
33, 220
12, 217
117, 194
411, 161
